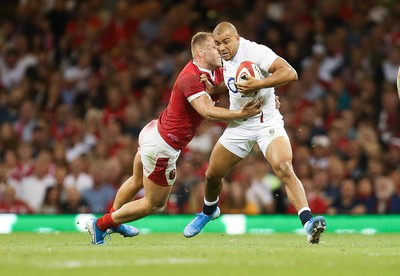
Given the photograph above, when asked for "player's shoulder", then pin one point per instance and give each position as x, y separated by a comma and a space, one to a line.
250, 47
190, 68
189, 71
189, 78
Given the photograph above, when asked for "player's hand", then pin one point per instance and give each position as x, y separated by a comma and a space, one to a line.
277, 102
250, 85
209, 86
251, 108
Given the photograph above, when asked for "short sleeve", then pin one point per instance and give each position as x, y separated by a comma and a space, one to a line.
190, 84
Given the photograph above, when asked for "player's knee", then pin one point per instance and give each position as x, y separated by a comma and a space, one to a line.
284, 169
156, 206
212, 177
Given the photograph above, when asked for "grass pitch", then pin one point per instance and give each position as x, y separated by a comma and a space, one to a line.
205, 254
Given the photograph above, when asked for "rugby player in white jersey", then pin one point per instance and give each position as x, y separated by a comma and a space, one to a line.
266, 129
161, 141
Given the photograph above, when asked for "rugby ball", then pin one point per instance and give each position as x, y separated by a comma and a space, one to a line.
248, 68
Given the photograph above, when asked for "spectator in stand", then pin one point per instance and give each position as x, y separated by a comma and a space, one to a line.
113, 136
34, 186
235, 201
52, 200
76, 78
114, 172
375, 167
115, 104
320, 179
13, 66
315, 199
59, 154
336, 174
77, 177
389, 123
355, 159
9, 203
347, 203
41, 138
102, 193
26, 121
73, 202
52, 99
319, 152
387, 201
132, 120
185, 182
79, 140
365, 193
392, 156
263, 184
8, 140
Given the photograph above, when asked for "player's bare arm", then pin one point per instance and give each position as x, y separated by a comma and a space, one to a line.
281, 73
206, 108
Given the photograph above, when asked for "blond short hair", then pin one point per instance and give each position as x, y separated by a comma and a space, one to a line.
198, 41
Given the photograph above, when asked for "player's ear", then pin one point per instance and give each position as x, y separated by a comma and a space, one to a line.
201, 53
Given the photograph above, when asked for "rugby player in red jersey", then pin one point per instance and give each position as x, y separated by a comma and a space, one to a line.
160, 141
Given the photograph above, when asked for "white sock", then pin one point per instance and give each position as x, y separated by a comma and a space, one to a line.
210, 203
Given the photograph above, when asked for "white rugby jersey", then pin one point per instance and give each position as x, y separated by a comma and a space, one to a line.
263, 57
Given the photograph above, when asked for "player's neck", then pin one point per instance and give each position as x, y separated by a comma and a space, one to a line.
202, 65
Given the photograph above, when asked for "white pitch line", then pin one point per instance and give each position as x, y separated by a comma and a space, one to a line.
108, 263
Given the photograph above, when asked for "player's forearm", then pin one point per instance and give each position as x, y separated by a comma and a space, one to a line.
280, 77
222, 114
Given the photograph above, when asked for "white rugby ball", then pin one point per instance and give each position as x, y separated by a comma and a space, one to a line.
248, 68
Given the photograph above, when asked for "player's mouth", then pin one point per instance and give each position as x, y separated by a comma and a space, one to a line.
224, 54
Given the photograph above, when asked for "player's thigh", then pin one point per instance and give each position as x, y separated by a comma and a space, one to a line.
279, 150
156, 195
137, 170
221, 161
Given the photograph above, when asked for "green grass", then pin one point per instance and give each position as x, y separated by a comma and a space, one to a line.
207, 254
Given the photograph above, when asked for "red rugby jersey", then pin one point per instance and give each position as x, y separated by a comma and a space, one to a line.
178, 122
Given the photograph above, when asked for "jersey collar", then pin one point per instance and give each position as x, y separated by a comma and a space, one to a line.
211, 73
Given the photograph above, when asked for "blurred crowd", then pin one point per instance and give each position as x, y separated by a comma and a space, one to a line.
79, 79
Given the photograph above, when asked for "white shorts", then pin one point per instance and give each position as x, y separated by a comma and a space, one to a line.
158, 158
239, 138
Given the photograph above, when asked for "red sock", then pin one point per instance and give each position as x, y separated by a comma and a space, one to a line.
106, 222
112, 210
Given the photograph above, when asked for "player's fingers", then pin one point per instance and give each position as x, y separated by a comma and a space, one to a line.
203, 77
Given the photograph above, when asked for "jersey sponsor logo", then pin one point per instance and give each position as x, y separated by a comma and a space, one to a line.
231, 85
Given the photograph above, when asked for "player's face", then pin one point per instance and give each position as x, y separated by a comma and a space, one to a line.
212, 56
227, 45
